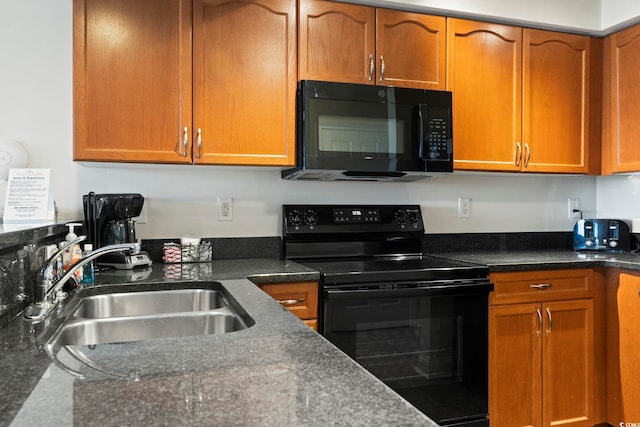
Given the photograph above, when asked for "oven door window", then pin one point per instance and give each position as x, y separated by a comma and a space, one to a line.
431, 350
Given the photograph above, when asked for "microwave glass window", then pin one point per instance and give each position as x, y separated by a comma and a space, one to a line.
361, 135
358, 129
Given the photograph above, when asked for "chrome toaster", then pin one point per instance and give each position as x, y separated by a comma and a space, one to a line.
612, 235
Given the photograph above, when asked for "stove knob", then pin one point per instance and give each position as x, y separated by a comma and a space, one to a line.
413, 218
295, 218
310, 217
400, 216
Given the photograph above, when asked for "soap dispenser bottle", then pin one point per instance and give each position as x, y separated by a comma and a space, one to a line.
74, 253
88, 271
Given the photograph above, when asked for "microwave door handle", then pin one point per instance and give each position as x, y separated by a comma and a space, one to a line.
421, 133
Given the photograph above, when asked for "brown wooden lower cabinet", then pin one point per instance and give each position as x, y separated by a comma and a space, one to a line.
300, 298
623, 347
543, 360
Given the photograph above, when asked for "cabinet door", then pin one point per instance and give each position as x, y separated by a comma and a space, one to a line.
568, 380
336, 42
244, 82
485, 63
555, 102
424, 36
132, 80
628, 304
300, 298
515, 365
621, 105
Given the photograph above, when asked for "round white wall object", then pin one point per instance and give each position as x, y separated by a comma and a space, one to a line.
12, 155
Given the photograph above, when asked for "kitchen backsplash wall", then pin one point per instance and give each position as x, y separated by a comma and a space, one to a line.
498, 203
619, 197
36, 108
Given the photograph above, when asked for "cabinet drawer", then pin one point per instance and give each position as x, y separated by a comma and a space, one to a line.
312, 323
300, 298
543, 285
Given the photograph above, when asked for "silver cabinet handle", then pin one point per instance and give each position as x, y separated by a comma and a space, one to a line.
518, 154
541, 286
372, 67
528, 155
199, 142
381, 68
539, 331
290, 301
185, 140
550, 322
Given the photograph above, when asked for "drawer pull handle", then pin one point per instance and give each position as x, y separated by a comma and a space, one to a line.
539, 331
541, 286
290, 301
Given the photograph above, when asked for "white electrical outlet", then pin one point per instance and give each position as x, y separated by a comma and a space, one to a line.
225, 209
464, 207
573, 207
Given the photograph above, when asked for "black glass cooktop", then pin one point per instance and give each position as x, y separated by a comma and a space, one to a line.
420, 268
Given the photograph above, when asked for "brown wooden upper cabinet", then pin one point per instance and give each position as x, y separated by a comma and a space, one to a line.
360, 44
145, 92
521, 98
621, 109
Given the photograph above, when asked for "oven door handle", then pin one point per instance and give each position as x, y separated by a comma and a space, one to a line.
476, 288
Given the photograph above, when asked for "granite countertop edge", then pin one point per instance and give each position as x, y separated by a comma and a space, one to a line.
498, 261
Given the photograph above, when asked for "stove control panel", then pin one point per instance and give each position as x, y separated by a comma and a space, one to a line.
356, 216
351, 218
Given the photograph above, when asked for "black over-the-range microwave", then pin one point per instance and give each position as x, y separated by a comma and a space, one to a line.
365, 132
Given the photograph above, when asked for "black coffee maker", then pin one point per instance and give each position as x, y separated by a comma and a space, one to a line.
109, 221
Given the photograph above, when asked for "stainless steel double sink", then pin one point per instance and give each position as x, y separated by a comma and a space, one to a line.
169, 310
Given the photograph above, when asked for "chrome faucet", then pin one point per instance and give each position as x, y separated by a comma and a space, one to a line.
47, 288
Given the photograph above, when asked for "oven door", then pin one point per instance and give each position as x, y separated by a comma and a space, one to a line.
428, 343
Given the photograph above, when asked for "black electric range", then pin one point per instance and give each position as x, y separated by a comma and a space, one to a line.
417, 322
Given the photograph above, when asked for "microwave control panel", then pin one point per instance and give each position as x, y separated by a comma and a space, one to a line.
437, 137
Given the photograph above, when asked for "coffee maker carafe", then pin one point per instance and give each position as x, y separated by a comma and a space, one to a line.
109, 221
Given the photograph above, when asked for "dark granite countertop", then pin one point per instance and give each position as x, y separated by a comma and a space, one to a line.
276, 372
543, 260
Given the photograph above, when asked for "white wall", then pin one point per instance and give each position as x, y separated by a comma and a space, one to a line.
36, 109
589, 16
616, 12
619, 197
581, 15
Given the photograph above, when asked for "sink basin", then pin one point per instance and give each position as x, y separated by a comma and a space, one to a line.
111, 315
141, 328
150, 302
